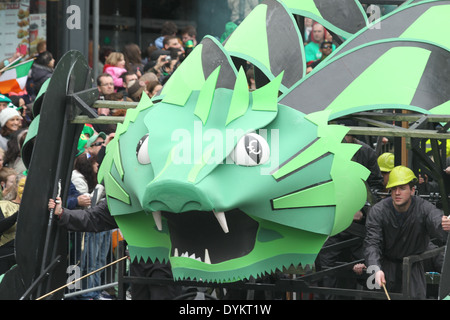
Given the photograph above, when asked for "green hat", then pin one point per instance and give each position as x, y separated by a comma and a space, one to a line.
89, 130
95, 137
81, 144
4, 98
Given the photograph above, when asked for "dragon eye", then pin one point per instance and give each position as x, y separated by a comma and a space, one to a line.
142, 150
251, 150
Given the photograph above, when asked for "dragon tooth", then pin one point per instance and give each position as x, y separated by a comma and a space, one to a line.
157, 218
220, 216
175, 253
192, 256
207, 258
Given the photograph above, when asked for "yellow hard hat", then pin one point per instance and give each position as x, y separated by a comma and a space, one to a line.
386, 162
400, 175
428, 146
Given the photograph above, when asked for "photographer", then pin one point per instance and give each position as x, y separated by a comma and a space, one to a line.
156, 64
163, 63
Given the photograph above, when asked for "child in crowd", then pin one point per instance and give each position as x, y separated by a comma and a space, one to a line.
115, 66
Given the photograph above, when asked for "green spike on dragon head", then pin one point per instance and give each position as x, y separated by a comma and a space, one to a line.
225, 183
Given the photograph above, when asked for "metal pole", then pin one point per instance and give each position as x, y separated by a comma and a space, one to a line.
96, 37
138, 22
53, 32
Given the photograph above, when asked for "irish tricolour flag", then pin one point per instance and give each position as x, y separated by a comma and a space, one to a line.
15, 78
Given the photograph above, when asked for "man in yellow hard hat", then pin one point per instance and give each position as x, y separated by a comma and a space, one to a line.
386, 162
401, 226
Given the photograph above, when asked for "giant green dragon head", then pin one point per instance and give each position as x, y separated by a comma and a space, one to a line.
225, 183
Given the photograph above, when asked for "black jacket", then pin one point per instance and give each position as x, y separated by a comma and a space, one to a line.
95, 219
367, 157
39, 74
391, 236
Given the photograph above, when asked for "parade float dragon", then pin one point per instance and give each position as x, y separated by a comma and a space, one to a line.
226, 183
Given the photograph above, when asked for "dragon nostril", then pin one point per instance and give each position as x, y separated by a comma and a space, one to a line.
156, 205
159, 206
192, 206
174, 196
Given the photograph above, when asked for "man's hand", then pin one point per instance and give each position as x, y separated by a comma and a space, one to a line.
358, 216
445, 223
359, 268
161, 61
379, 278
52, 204
447, 170
109, 138
84, 200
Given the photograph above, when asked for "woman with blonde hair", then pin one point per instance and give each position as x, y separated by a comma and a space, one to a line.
115, 66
